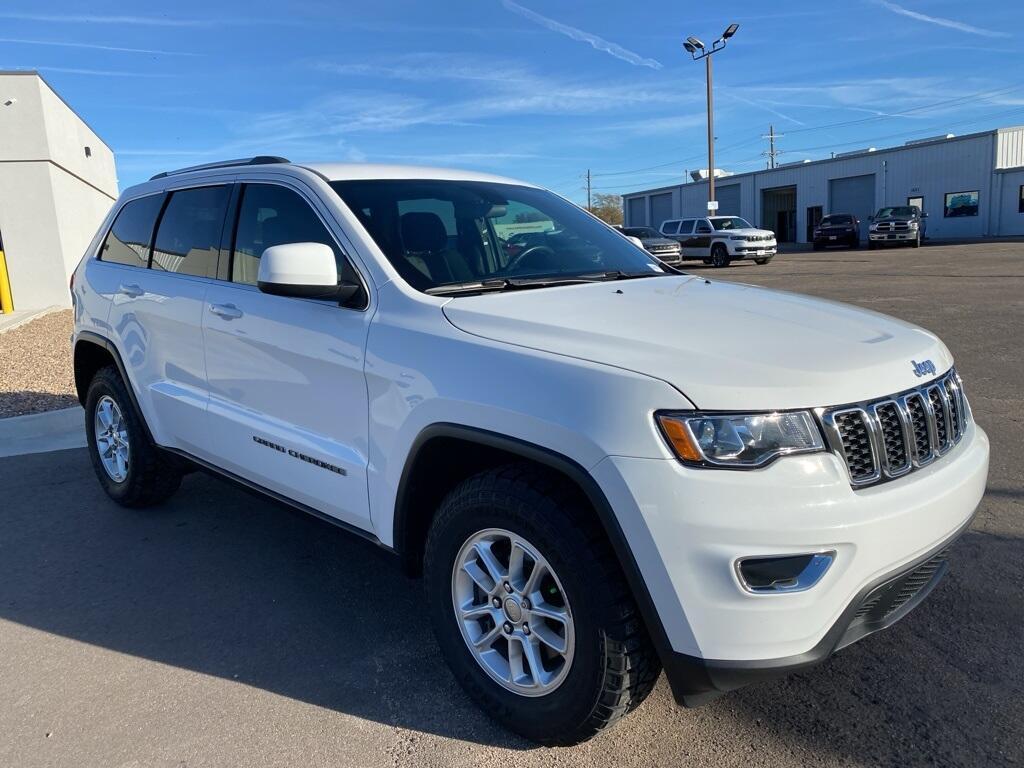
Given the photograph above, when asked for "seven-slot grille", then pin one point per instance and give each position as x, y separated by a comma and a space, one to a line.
886, 438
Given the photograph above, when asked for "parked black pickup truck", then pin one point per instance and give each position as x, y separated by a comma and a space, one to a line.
837, 229
897, 225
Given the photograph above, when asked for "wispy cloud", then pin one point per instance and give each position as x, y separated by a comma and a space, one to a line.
94, 47
940, 21
426, 67
93, 72
95, 18
598, 43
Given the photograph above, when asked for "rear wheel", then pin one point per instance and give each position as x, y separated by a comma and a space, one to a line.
720, 255
131, 469
531, 610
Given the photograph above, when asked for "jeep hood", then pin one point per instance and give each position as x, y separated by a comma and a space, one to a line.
723, 345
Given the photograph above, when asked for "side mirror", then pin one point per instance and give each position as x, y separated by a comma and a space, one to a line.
303, 270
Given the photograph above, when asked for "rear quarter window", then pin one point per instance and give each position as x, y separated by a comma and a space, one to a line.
132, 232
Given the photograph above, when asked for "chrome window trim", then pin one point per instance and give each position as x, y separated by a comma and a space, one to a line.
949, 389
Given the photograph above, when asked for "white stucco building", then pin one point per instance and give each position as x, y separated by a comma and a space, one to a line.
57, 182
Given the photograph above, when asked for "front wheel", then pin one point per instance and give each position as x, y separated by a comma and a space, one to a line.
916, 242
720, 256
531, 610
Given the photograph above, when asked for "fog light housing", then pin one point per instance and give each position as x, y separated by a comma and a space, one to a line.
783, 573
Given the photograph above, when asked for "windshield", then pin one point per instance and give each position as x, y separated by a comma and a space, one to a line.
641, 232
730, 222
829, 221
899, 210
438, 233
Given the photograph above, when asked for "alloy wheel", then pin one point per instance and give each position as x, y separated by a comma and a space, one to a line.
112, 442
513, 612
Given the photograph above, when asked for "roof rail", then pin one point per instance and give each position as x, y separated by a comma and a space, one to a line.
258, 160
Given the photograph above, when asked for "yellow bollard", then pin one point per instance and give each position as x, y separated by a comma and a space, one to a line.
6, 300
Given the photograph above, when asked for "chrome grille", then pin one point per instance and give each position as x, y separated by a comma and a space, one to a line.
889, 437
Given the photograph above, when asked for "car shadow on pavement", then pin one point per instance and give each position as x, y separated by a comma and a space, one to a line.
25, 402
225, 583
228, 584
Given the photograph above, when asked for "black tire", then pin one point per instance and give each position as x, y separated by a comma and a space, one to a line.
916, 242
614, 666
854, 244
871, 245
817, 246
719, 255
152, 475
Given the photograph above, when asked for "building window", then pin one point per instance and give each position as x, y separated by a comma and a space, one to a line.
88, 151
961, 204
917, 201
1020, 200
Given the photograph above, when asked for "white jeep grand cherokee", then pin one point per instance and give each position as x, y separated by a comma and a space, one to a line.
598, 470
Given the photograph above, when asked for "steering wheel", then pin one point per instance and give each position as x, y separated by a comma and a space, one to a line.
520, 258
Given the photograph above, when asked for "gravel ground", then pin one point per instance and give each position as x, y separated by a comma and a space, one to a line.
36, 372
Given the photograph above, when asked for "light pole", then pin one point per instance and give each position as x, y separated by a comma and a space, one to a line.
698, 50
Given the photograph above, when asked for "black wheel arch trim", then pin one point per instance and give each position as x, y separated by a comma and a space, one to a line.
575, 472
111, 348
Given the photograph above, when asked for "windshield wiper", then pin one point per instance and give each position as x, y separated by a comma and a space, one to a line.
520, 283
470, 286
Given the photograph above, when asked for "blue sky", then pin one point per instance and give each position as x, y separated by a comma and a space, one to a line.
537, 89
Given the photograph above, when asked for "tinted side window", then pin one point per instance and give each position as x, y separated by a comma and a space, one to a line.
686, 228
703, 226
274, 215
129, 238
188, 238
670, 227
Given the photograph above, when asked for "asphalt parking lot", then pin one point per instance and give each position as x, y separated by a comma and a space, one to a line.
222, 630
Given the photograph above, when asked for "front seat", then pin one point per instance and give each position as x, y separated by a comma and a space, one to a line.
425, 245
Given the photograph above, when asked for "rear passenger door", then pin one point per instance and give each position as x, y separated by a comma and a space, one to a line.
288, 405
685, 235
157, 308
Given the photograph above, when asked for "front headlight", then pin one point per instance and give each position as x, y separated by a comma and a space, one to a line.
873, 227
913, 225
739, 440
737, 237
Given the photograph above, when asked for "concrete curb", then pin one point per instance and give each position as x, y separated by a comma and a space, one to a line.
42, 432
17, 319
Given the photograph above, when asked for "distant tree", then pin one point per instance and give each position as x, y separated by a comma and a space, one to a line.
608, 208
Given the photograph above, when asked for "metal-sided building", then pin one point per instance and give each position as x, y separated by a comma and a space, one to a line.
57, 182
970, 186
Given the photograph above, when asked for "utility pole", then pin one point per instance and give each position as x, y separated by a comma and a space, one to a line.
698, 50
772, 153
588, 189
711, 136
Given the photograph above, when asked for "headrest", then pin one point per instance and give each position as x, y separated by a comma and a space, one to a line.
423, 231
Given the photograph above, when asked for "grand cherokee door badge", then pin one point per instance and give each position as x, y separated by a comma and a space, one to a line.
300, 456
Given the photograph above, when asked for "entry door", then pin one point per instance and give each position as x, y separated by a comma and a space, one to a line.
288, 405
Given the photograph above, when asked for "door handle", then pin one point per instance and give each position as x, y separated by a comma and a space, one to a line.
226, 311
130, 289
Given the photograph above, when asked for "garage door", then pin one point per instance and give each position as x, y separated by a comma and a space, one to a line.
661, 209
636, 212
854, 194
728, 200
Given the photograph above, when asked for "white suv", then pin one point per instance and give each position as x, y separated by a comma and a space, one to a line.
721, 240
598, 470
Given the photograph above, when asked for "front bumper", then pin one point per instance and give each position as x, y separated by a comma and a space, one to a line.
752, 251
687, 527
892, 237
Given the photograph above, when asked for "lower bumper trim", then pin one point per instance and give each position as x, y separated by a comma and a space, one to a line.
696, 681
